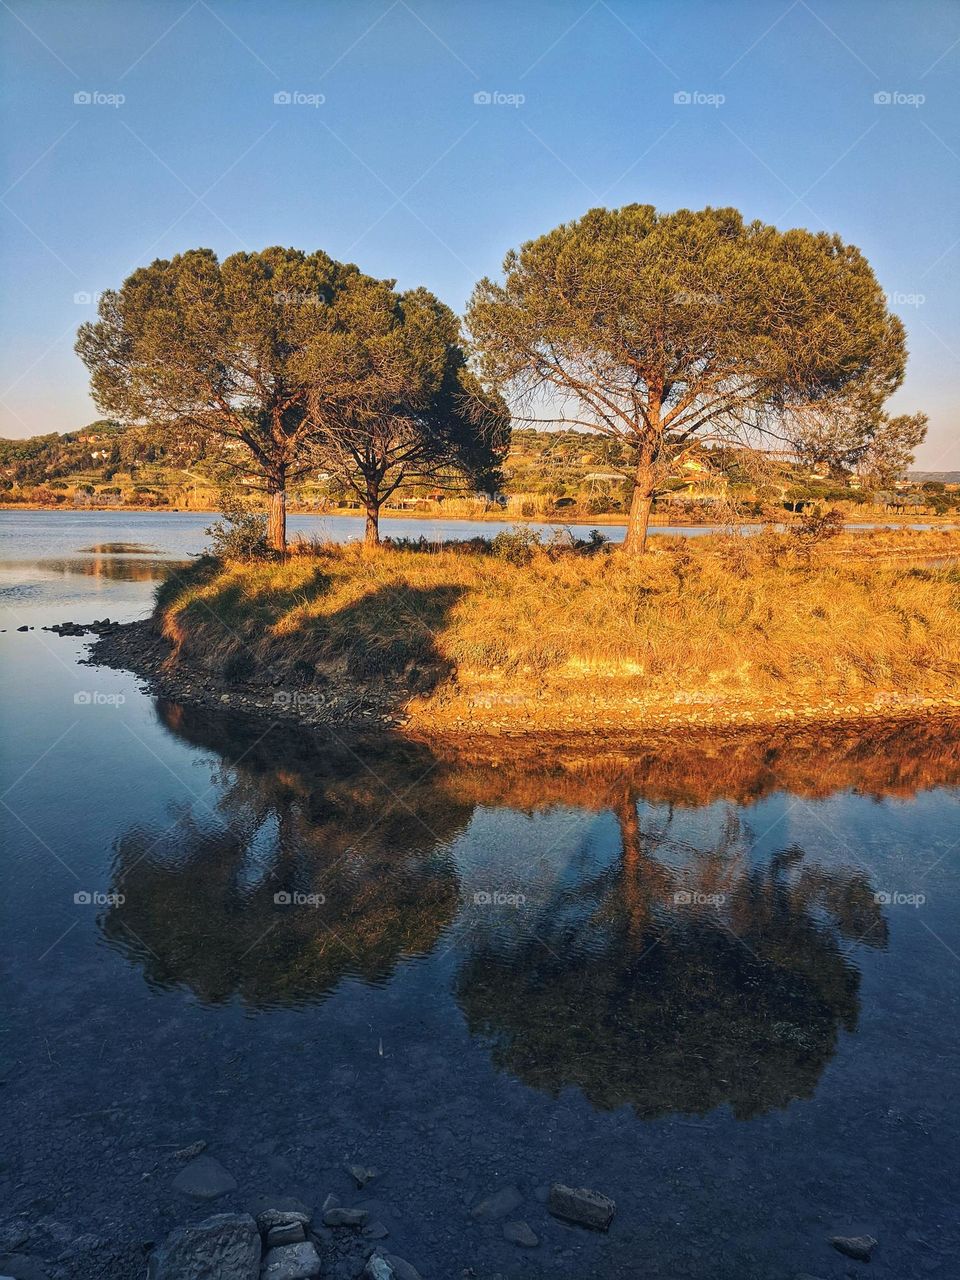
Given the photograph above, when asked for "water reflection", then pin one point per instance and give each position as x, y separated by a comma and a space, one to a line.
671, 962
312, 864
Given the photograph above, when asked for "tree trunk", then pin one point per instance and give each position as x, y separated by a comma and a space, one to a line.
277, 515
635, 542
371, 537
371, 503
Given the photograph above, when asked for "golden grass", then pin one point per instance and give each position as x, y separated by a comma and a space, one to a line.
700, 622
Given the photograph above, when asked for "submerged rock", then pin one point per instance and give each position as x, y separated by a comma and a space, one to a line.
519, 1233
497, 1205
345, 1218
291, 1262
224, 1247
361, 1174
387, 1266
580, 1205
204, 1179
857, 1247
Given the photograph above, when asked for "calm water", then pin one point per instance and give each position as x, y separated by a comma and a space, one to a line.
715, 980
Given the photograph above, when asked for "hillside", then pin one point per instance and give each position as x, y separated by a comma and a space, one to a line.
548, 474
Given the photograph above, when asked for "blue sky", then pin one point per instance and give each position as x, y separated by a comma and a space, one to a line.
384, 157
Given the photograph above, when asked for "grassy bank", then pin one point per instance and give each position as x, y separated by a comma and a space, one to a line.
712, 630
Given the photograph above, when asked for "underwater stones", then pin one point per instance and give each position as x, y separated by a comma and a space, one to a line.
857, 1247
291, 1262
204, 1179
497, 1205
520, 1234
361, 1174
226, 1246
345, 1218
578, 1204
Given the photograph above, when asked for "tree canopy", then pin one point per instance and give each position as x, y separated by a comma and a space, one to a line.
395, 401
294, 356
671, 330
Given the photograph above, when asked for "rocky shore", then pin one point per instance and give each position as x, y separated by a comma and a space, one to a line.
141, 648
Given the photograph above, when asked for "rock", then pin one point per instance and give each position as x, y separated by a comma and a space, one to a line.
188, 1153
857, 1247
286, 1233
497, 1205
267, 1219
23, 628
291, 1262
331, 1202
277, 1209
375, 1231
520, 1234
578, 1204
399, 1268
361, 1174
224, 1247
205, 1179
345, 1218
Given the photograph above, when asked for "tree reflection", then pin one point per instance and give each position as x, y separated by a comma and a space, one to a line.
351, 839
679, 978
673, 966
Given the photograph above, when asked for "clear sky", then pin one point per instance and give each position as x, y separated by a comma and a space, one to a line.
383, 157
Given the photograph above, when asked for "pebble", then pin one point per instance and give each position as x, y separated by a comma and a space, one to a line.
204, 1179
519, 1233
857, 1247
580, 1205
497, 1205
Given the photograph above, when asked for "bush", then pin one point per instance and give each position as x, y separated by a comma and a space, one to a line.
241, 534
517, 547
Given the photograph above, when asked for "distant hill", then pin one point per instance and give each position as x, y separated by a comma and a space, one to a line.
941, 477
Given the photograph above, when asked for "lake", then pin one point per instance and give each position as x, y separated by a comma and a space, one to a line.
713, 978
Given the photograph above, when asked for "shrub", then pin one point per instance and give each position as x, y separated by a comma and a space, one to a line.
517, 547
241, 534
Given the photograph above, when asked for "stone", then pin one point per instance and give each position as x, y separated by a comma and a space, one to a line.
286, 1233
345, 1218
194, 1149
291, 1262
580, 1205
204, 1179
375, 1231
378, 1268
361, 1174
224, 1247
400, 1269
267, 1219
519, 1233
857, 1247
497, 1205
331, 1202
274, 1209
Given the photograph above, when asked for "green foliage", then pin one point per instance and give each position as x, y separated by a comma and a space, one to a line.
662, 329
241, 534
517, 547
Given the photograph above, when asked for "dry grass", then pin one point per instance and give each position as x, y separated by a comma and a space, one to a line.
707, 621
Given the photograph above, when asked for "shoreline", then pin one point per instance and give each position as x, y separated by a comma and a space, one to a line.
138, 647
612, 520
